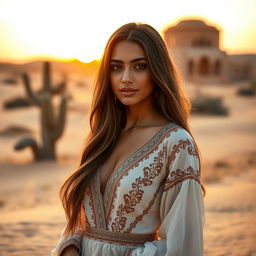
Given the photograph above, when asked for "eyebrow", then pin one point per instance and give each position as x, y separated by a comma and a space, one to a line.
132, 61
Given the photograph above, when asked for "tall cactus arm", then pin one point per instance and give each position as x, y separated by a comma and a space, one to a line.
46, 77
31, 143
28, 89
47, 110
60, 124
58, 89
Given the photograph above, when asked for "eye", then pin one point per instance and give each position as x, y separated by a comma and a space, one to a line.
115, 67
140, 66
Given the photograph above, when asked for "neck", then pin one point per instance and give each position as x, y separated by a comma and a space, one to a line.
143, 115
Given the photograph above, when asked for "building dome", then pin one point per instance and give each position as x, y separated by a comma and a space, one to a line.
191, 25
192, 33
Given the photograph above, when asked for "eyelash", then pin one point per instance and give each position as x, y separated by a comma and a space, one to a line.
142, 66
137, 67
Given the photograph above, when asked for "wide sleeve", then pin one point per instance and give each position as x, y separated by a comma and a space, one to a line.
182, 205
65, 241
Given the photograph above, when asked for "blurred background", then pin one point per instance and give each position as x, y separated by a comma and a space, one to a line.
49, 56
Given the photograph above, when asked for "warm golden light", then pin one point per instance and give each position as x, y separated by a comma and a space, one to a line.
78, 29
87, 58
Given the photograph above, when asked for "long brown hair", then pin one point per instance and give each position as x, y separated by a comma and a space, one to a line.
108, 117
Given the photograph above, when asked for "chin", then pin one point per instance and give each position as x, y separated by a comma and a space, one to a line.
128, 102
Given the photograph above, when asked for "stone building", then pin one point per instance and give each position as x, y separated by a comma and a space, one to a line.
242, 67
195, 48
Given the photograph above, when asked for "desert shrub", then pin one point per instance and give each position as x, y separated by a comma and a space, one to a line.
18, 102
204, 104
249, 90
221, 164
10, 81
15, 130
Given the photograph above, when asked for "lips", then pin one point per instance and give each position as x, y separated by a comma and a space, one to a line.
128, 91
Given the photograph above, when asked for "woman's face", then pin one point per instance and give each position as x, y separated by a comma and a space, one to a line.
130, 76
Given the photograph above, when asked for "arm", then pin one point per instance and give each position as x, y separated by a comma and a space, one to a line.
182, 206
68, 246
71, 250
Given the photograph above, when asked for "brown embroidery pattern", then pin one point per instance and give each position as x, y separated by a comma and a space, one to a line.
134, 196
118, 237
133, 161
178, 175
145, 211
192, 149
91, 204
177, 148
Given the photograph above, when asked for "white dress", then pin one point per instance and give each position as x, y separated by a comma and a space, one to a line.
152, 205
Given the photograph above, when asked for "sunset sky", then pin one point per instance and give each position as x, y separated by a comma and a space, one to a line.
79, 29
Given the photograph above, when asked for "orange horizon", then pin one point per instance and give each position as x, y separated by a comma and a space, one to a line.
35, 58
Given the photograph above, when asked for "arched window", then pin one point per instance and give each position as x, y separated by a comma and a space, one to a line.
195, 43
190, 67
201, 42
204, 66
217, 68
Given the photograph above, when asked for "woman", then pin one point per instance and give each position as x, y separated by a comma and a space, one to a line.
137, 190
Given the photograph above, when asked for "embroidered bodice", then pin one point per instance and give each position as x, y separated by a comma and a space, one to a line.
155, 190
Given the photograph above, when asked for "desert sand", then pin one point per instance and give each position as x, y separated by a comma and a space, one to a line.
31, 215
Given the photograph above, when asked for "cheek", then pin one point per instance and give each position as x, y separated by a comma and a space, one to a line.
146, 82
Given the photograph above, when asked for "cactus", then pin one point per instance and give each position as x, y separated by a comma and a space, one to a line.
52, 124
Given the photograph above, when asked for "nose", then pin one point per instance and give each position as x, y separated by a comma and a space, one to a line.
126, 79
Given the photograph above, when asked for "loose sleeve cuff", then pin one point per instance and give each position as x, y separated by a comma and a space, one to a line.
65, 242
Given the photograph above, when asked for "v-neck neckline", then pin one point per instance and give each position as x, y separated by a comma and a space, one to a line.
119, 166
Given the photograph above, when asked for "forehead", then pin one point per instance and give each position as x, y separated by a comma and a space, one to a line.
126, 50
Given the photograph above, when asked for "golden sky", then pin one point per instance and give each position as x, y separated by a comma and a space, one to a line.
80, 28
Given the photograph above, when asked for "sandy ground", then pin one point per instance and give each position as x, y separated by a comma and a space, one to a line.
230, 227
31, 216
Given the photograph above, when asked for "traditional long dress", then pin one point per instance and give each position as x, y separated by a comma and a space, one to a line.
152, 205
